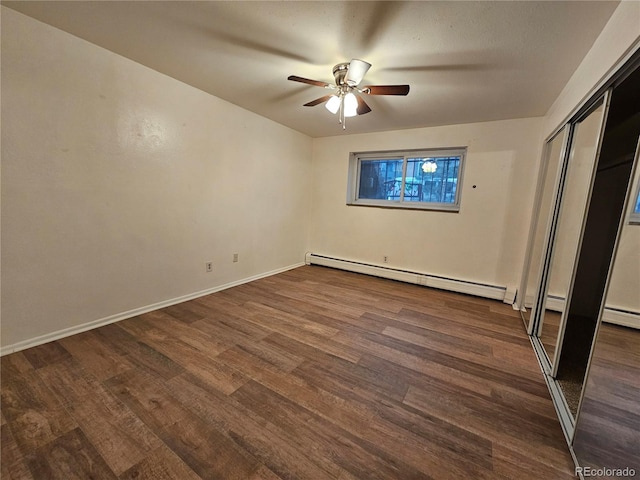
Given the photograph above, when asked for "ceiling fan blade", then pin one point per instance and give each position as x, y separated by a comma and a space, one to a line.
386, 89
317, 83
356, 72
317, 101
362, 106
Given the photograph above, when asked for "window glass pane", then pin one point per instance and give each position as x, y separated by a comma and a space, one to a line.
432, 179
380, 179
426, 179
635, 214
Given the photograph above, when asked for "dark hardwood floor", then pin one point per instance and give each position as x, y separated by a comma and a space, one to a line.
310, 374
608, 428
550, 331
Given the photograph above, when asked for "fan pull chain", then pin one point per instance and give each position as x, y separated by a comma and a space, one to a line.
344, 118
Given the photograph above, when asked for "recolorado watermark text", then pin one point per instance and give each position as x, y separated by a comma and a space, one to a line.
605, 472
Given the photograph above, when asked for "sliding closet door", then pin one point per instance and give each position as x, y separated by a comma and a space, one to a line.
607, 432
601, 233
565, 238
550, 174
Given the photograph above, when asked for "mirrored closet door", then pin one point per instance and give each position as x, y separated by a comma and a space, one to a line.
576, 191
607, 433
602, 227
585, 180
566, 179
550, 174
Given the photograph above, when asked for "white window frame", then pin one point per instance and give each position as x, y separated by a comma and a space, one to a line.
355, 159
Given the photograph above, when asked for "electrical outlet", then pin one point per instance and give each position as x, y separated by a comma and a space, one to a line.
235, 257
209, 266
385, 259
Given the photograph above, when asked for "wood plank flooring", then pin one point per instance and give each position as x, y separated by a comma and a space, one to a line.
310, 374
550, 332
608, 428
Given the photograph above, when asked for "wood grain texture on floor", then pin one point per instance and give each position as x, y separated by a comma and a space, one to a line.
608, 427
309, 374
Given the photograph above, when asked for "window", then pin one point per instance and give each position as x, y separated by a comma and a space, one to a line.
421, 179
635, 214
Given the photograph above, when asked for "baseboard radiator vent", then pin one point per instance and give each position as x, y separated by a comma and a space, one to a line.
442, 283
611, 314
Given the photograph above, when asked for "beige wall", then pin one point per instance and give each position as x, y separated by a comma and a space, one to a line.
119, 183
620, 36
484, 242
625, 279
624, 289
574, 202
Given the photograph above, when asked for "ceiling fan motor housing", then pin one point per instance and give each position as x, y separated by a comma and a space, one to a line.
348, 76
339, 72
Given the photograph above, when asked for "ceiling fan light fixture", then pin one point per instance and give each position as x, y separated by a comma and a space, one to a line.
350, 105
344, 102
356, 72
333, 104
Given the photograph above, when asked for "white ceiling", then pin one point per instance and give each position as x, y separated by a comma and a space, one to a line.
465, 61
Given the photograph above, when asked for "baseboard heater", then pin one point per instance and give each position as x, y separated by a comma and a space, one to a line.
611, 314
443, 283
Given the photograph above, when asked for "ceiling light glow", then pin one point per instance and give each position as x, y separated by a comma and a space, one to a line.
333, 104
350, 105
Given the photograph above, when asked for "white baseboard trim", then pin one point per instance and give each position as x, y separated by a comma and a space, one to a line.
510, 297
554, 303
621, 317
611, 314
66, 332
452, 284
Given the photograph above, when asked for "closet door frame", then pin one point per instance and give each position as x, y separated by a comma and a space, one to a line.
537, 317
629, 205
623, 65
539, 306
541, 262
605, 99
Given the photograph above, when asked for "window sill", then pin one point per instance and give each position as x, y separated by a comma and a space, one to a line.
438, 207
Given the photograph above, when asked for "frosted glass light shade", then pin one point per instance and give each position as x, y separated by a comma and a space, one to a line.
350, 105
333, 104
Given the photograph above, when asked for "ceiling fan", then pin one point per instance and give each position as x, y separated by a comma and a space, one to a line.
346, 100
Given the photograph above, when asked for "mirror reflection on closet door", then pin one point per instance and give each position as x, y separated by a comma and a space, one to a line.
607, 432
549, 174
566, 239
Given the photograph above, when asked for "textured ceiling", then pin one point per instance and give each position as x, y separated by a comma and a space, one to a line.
465, 61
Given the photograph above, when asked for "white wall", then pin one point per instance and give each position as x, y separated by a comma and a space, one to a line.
620, 37
484, 242
624, 289
625, 279
119, 183
574, 203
